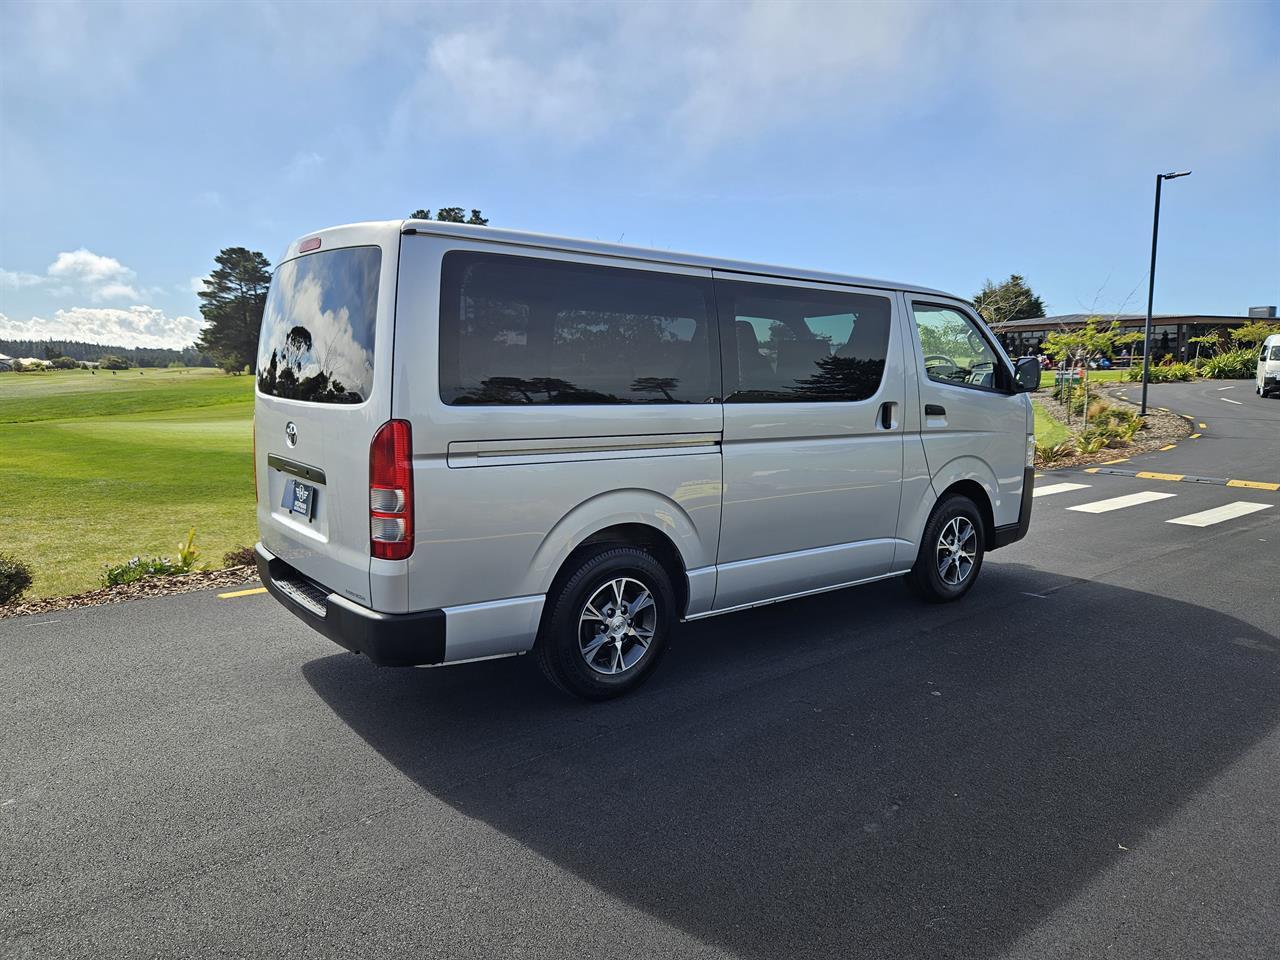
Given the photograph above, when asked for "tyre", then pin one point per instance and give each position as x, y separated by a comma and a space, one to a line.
951, 551
607, 623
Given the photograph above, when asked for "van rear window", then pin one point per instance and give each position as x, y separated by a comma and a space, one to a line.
318, 327
524, 330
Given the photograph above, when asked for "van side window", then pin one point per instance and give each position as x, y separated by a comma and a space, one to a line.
526, 330
955, 351
794, 344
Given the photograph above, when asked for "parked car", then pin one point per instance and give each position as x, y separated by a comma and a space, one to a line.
1268, 378
473, 443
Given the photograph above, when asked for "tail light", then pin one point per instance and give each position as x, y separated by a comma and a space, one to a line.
391, 492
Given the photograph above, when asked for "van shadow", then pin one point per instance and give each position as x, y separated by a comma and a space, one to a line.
851, 769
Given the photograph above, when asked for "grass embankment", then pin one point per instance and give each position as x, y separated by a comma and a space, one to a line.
96, 468
1049, 429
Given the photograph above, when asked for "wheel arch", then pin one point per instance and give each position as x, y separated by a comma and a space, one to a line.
632, 517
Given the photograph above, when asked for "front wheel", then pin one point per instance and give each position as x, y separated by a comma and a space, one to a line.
951, 551
606, 626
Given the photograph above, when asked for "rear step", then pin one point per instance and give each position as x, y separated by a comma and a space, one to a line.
305, 593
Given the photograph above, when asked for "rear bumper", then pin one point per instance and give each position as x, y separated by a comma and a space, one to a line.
389, 640
1013, 532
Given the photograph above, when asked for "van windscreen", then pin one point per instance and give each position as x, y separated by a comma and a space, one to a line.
318, 327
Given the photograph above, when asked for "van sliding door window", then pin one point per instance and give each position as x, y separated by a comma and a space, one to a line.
955, 351
794, 344
526, 330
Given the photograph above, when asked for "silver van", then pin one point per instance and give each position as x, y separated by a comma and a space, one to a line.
1268, 378
475, 443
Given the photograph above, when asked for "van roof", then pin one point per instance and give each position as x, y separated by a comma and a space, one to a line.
572, 245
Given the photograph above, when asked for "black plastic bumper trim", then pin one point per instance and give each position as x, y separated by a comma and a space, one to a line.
387, 639
1013, 532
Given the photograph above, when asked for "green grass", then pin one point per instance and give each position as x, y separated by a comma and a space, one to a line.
83, 484
1049, 429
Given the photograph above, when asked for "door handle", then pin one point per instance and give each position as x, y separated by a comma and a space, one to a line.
885, 418
934, 410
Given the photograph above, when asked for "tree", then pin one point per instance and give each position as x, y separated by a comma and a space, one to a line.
232, 302
1252, 334
1210, 340
1079, 346
452, 215
110, 362
1011, 300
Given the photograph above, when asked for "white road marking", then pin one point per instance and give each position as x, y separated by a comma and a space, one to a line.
1207, 518
1053, 488
1229, 400
1232, 387
1119, 503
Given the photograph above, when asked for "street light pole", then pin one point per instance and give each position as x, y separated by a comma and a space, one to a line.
1151, 286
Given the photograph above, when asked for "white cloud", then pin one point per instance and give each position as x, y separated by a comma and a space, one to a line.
16, 279
100, 277
195, 285
596, 74
136, 326
84, 265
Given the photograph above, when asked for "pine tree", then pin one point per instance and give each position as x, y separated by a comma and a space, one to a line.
232, 302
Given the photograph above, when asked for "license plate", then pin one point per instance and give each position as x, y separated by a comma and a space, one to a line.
299, 498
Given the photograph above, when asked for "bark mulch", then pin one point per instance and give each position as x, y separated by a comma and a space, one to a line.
150, 587
1161, 428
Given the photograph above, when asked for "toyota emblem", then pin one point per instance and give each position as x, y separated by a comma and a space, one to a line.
291, 433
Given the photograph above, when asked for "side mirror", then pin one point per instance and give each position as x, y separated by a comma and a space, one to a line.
1026, 374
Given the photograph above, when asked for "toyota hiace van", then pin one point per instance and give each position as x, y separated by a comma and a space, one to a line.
473, 442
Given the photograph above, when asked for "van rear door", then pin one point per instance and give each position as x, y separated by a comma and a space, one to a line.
323, 390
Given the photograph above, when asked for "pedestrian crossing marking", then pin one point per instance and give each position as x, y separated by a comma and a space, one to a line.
1207, 518
1120, 503
1058, 488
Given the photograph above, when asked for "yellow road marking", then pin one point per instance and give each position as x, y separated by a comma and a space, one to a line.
1107, 463
1194, 436
1148, 475
242, 593
1253, 484
1168, 447
1090, 469
1202, 426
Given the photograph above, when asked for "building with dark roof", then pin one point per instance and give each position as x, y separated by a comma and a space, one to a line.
1170, 332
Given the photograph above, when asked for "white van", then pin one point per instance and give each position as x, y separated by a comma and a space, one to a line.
474, 442
1268, 379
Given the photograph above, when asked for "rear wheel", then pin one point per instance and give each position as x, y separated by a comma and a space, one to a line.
607, 624
951, 551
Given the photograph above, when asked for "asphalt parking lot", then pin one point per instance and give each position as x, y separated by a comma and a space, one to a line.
1078, 760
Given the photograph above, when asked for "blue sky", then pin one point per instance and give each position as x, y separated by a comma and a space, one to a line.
934, 143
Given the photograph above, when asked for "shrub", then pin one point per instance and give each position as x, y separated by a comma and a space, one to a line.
1232, 365
1052, 453
112, 362
1092, 442
139, 568
240, 557
15, 578
64, 363
1165, 373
